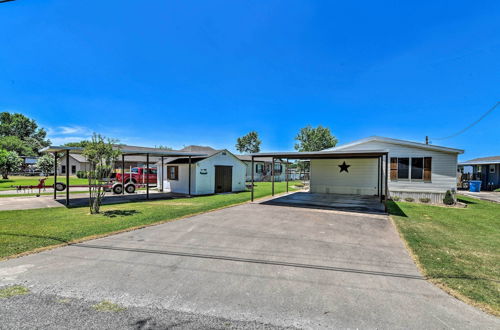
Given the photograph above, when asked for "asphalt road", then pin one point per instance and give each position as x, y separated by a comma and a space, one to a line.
251, 265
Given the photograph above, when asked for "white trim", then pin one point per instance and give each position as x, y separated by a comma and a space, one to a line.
396, 141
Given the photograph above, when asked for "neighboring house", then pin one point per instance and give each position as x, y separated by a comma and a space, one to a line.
262, 171
416, 170
78, 162
29, 165
486, 169
218, 172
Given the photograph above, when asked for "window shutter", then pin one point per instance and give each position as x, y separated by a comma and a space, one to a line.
176, 172
394, 168
428, 169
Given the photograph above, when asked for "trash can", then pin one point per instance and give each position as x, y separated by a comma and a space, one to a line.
474, 186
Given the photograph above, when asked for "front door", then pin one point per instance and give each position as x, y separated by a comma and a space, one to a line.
223, 179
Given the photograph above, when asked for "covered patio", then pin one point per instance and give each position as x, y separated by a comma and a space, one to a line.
336, 196
151, 157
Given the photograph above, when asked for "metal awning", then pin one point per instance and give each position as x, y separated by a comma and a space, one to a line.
126, 152
327, 154
156, 154
382, 176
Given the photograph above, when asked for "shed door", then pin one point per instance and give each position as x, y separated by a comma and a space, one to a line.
223, 179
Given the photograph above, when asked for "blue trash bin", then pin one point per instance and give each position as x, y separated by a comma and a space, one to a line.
474, 186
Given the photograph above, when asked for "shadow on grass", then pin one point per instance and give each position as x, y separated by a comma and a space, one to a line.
119, 213
394, 209
466, 201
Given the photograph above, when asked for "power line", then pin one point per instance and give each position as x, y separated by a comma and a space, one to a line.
471, 125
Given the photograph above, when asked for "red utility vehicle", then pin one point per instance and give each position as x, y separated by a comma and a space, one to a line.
138, 175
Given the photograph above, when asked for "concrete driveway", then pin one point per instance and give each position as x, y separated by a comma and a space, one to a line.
278, 265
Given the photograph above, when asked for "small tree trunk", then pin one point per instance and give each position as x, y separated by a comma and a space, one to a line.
5, 176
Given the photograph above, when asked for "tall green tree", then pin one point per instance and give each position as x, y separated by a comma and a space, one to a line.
25, 129
249, 143
315, 139
9, 162
81, 144
13, 143
101, 155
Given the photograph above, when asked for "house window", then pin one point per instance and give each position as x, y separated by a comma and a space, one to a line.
417, 168
63, 169
403, 168
278, 168
492, 168
73, 169
173, 172
258, 168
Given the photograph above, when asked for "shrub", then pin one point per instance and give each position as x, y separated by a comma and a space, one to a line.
409, 199
81, 174
424, 200
448, 198
395, 198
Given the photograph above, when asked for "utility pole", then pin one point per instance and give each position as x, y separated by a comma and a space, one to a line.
426, 139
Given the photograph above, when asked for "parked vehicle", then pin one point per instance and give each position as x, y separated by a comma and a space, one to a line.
138, 175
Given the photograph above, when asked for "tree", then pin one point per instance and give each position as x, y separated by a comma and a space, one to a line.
81, 144
315, 139
249, 143
24, 128
13, 143
46, 164
101, 155
9, 162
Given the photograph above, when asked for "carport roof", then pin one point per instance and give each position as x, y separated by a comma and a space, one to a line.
326, 154
128, 152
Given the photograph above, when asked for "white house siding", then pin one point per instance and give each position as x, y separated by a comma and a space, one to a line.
72, 162
205, 183
180, 186
362, 178
443, 177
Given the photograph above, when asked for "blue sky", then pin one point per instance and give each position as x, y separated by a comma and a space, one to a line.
205, 72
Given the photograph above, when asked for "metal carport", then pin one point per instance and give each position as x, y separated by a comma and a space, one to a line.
124, 152
380, 155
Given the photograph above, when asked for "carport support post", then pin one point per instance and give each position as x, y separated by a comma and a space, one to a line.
147, 173
251, 194
67, 178
272, 178
55, 174
189, 176
286, 174
123, 174
161, 183
386, 180
379, 188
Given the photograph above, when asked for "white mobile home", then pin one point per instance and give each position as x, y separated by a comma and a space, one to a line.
380, 166
416, 170
218, 172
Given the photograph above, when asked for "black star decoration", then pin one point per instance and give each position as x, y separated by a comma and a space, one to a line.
344, 167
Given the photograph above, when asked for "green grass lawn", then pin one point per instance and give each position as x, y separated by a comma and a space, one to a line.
33, 180
456, 248
26, 230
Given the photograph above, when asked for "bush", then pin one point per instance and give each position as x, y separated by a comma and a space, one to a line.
409, 199
448, 198
424, 200
395, 198
82, 174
